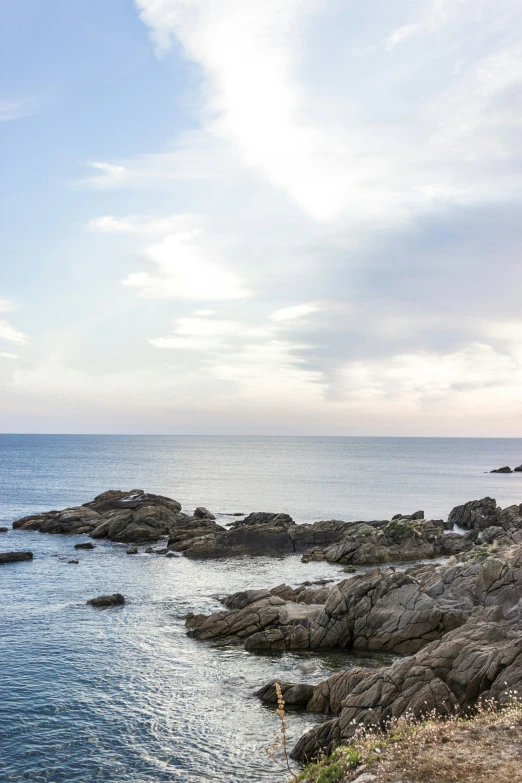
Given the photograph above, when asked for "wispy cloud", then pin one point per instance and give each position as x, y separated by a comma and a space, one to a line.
13, 110
8, 332
294, 312
186, 266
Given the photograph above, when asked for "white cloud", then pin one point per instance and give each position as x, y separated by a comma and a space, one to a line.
475, 378
198, 334
291, 313
401, 34
8, 332
138, 224
204, 312
12, 110
7, 305
9, 355
111, 175
187, 267
271, 373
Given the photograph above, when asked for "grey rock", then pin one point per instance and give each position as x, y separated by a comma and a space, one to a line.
294, 694
132, 550
203, 513
505, 469
4, 529
116, 599
73, 562
85, 545
127, 517
14, 557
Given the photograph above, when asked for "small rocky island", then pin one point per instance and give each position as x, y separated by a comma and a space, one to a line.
456, 625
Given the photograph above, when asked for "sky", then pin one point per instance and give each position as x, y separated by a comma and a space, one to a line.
295, 217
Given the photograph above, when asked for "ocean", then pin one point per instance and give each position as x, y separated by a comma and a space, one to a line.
124, 695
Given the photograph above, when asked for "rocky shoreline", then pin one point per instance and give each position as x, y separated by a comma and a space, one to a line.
457, 625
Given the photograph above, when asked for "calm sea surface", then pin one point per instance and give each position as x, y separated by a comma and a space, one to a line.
123, 695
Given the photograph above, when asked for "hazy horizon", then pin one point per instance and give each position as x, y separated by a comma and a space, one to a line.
296, 217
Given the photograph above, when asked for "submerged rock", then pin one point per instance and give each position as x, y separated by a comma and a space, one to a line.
14, 557
4, 529
116, 599
132, 550
85, 545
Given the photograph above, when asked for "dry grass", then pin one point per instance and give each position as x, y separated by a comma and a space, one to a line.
485, 748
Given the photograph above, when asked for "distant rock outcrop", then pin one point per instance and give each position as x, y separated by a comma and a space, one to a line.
116, 599
14, 557
505, 469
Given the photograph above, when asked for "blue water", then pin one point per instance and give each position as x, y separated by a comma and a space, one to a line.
123, 695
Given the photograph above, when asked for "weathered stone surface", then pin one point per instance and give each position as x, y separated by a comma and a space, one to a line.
14, 557
294, 694
116, 599
78, 519
481, 659
481, 514
402, 539
203, 513
127, 517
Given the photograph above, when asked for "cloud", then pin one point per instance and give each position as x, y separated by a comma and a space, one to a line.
12, 110
8, 332
9, 355
198, 334
7, 305
291, 313
111, 175
138, 224
186, 266
475, 377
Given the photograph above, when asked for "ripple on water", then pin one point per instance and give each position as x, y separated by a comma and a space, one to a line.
123, 694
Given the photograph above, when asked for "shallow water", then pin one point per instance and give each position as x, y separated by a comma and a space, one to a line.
123, 695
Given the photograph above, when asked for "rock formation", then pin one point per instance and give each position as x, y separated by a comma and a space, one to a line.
14, 557
459, 625
116, 599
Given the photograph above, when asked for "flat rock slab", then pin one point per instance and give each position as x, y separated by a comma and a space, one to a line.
15, 557
86, 545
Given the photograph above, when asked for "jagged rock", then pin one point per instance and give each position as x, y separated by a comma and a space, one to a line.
70, 521
505, 469
14, 557
402, 539
73, 562
481, 514
127, 517
116, 599
203, 513
475, 514
480, 659
85, 545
